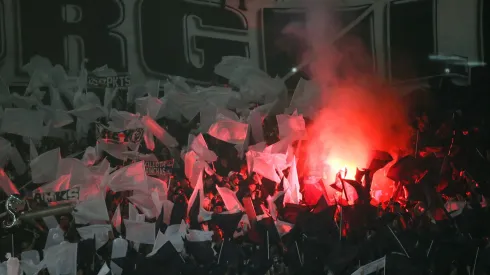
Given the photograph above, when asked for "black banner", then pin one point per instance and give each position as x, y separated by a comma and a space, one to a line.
64, 195
157, 38
411, 29
194, 37
86, 26
134, 136
281, 49
159, 168
119, 81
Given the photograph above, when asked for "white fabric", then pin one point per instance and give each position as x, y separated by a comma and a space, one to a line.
174, 234
119, 248
55, 237
61, 259
141, 232
91, 211
371, 267
13, 266
28, 123
230, 199
100, 231
44, 168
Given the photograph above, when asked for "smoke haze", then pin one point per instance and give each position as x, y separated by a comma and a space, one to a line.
359, 112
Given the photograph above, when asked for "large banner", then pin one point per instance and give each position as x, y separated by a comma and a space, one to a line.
156, 38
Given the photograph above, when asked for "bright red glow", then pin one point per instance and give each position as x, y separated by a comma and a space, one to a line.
359, 114
382, 188
6, 184
355, 121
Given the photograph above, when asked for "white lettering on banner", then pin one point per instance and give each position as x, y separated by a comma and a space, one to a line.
108, 81
159, 168
194, 28
73, 44
78, 35
57, 196
185, 31
76, 44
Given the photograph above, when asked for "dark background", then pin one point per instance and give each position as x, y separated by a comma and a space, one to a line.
160, 32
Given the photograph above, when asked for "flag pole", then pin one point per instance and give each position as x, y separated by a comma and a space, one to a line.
299, 255
474, 264
398, 240
221, 250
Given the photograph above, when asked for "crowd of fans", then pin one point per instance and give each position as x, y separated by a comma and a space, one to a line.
437, 221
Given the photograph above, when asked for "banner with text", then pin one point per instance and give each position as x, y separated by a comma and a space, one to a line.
155, 38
